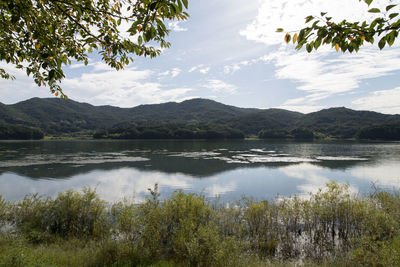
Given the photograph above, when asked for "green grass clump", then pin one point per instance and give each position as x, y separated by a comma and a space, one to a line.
332, 227
3, 211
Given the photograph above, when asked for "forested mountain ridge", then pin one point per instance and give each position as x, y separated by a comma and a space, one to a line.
55, 116
343, 122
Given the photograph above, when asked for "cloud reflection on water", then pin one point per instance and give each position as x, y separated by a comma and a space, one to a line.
312, 178
110, 185
255, 169
385, 174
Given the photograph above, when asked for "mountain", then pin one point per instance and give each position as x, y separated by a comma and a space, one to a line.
55, 116
343, 122
257, 120
190, 110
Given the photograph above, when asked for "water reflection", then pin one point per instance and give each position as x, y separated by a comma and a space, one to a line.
314, 177
226, 168
112, 185
385, 174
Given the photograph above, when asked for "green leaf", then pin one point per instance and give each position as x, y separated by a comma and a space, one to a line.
391, 37
309, 18
389, 7
374, 10
317, 43
185, 3
374, 23
393, 15
153, 6
279, 30
368, 2
382, 43
51, 74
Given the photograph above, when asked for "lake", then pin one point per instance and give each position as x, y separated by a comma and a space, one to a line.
227, 169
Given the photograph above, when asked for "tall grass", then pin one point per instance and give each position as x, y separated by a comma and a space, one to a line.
3, 211
331, 227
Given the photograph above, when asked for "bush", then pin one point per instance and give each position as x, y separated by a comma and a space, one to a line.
377, 253
3, 211
331, 227
70, 214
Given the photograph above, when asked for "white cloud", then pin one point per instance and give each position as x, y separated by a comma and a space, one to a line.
194, 68
302, 108
171, 73
126, 88
99, 85
200, 68
204, 70
386, 101
324, 73
322, 76
273, 14
220, 86
23, 87
230, 69
176, 27
165, 73
175, 72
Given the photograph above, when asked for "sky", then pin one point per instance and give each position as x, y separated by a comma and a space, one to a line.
229, 51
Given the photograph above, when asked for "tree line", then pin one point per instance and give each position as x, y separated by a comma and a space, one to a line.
171, 131
19, 132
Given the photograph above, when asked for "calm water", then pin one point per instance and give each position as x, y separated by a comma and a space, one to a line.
228, 169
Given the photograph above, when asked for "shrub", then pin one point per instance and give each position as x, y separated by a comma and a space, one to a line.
331, 227
3, 211
75, 214
261, 223
70, 214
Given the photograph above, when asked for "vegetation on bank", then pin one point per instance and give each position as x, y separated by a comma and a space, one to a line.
56, 117
171, 131
380, 132
332, 227
297, 134
19, 132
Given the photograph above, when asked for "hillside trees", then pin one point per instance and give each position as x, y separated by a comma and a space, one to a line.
349, 35
171, 131
41, 36
380, 132
19, 132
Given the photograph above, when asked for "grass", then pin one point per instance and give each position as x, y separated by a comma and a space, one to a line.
333, 227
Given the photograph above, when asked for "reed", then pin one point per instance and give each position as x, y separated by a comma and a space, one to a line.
331, 227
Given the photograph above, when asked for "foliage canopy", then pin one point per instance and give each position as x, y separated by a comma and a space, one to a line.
40, 36
349, 35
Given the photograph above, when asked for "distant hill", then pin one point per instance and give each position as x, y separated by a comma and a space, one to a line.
343, 122
190, 110
55, 116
